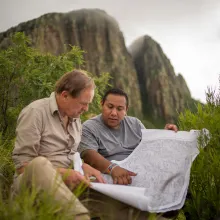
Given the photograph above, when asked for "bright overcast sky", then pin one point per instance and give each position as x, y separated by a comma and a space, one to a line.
187, 30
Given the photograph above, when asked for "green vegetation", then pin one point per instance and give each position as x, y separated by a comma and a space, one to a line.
27, 75
30, 206
204, 190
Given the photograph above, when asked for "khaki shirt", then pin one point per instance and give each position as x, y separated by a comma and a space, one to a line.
40, 132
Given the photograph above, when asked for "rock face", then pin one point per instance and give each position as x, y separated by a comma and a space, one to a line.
163, 93
95, 32
144, 72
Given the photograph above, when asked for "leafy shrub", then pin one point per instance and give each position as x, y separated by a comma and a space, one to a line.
204, 190
27, 75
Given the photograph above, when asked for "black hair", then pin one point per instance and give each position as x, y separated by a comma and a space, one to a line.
115, 91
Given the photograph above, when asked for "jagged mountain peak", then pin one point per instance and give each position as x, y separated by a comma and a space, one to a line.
163, 93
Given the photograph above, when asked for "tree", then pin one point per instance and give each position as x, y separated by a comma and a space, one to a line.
27, 75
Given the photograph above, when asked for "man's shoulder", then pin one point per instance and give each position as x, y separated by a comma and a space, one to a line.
93, 123
93, 120
133, 122
40, 103
131, 119
37, 105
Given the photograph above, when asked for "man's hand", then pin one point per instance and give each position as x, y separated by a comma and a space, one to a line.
171, 127
90, 171
73, 178
21, 169
122, 176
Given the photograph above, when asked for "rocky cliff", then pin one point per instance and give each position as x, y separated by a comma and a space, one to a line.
163, 93
144, 72
95, 32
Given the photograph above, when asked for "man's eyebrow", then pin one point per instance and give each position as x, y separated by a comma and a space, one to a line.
119, 106
109, 103
85, 102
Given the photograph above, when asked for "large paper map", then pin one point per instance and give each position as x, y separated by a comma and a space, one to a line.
162, 162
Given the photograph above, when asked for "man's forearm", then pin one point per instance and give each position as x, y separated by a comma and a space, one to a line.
95, 160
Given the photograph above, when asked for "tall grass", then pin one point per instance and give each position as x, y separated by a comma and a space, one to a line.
30, 205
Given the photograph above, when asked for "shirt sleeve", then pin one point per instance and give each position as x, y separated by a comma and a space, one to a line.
28, 135
140, 123
89, 140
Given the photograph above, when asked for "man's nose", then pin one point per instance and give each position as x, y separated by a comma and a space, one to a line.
86, 107
114, 111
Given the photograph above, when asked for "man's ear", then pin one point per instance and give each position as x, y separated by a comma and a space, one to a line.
126, 110
64, 94
101, 103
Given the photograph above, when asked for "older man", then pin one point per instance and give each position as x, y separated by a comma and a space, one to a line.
47, 136
112, 135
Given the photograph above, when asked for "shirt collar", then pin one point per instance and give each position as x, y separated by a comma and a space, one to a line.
53, 104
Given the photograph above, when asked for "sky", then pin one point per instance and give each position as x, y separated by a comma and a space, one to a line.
187, 30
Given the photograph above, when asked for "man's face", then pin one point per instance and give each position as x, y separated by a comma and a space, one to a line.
74, 107
114, 110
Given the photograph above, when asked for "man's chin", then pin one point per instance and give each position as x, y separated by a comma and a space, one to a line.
75, 116
113, 125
